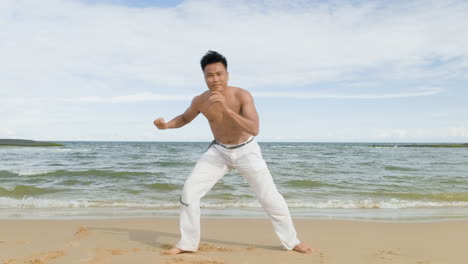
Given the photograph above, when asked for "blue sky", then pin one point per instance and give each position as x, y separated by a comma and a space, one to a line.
324, 71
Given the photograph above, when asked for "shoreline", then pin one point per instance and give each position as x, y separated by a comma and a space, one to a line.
142, 240
407, 215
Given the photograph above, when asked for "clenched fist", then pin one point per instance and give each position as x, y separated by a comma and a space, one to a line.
218, 98
160, 123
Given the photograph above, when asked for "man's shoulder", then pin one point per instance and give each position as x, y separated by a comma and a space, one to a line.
202, 96
199, 99
242, 94
240, 91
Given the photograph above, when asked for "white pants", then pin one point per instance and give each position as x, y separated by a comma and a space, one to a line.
211, 167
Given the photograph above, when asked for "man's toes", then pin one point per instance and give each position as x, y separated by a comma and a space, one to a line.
303, 248
173, 251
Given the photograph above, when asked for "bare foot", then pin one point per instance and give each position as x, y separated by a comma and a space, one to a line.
174, 251
303, 248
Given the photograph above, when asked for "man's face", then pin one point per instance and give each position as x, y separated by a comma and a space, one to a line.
216, 76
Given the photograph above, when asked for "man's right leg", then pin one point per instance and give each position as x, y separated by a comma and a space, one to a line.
208, 170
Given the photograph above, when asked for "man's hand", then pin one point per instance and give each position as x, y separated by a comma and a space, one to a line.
160, 123
218, 98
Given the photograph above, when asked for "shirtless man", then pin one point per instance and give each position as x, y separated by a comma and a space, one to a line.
234, 122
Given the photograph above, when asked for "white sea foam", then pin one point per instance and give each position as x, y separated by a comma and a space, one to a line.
29, 172
372, 204
147, 205
30, 202
231, 205
347, 204
36, 203
63, 150
8, 187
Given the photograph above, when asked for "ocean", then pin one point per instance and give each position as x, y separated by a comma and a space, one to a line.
353, 181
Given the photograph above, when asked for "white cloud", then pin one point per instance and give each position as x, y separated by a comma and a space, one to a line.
141, 97
459, 133
148, 96
7, 133
71, 48
307, 95
66, 53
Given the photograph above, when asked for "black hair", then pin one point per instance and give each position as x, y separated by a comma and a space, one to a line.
212, 57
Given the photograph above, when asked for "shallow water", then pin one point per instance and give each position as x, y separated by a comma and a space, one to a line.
318, 180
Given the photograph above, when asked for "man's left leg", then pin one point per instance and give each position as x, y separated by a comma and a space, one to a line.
252, 166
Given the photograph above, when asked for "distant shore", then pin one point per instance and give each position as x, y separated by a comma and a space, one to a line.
438, 145
27, 143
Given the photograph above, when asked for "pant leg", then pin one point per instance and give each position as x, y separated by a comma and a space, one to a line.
251, 165
209, 169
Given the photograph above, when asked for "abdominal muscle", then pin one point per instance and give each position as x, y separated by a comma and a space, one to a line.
228, 133
224, 130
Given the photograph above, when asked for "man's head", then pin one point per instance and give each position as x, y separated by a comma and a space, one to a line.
214, 66
212, 57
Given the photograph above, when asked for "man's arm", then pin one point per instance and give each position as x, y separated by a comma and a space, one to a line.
180, 120
248, 118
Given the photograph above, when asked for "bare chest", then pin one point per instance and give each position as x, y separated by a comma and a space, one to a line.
214, 112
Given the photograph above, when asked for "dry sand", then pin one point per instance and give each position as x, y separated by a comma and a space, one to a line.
237, 241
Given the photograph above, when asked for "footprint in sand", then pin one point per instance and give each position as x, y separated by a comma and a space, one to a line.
175, 260
208, 247
196, 258
387, 254
41, 258
424, 262
202, 248
200, 261
252, 248
207, 261
104, 254
166, 246
82, 231
322, 257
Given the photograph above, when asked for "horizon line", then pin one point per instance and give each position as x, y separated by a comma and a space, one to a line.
263, 141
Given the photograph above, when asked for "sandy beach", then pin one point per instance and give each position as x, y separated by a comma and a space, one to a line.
225, 240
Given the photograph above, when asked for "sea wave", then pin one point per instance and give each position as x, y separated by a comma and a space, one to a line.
399, 168
422, 197
376, 204
36, 203
30, 202
24, 172
65, 173
25, 190
163, 186
345, 204
172, 164
307, 184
